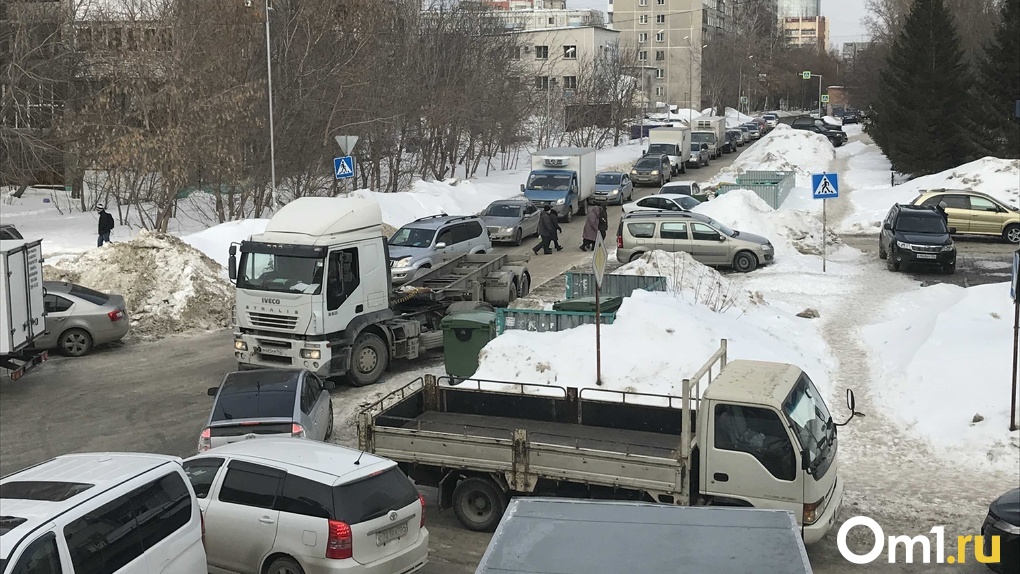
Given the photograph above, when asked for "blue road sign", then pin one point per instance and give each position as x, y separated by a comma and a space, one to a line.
343, 167
1016, 273
824, 185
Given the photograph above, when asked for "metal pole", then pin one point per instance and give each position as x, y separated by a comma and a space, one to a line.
825, 232
272, 145
819, 97
1016, 355
598, 337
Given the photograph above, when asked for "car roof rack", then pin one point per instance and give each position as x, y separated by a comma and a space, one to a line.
655, 212
432, 216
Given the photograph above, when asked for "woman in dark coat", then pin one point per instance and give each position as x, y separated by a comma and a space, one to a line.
591, 228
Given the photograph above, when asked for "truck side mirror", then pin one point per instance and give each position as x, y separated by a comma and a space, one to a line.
211, 391
522, 188
232, 263
851, 403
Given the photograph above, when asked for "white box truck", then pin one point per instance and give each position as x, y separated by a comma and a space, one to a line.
562, 177
674, 142
22, 311
712, 131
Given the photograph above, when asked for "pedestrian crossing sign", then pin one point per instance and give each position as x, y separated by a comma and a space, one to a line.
824, 185
343, 167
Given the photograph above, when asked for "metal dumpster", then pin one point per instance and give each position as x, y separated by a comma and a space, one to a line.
772, 186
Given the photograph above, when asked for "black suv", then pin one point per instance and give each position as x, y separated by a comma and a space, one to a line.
837, 137
914, 234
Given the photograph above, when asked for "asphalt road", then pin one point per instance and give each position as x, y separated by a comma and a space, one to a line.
979, 260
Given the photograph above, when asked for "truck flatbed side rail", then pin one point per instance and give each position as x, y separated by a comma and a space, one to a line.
633, 398
692, 389
463, 275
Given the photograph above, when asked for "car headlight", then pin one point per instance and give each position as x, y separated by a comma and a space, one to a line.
633, 172
655, 172
903, 245
766, 247
405, 262
614, 192
951, 247
508, 230
314, 354
561, 201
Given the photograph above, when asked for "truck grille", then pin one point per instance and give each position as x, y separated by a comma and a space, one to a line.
272, 321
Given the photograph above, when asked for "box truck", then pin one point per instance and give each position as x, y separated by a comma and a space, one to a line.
712, 131
22, 311
563, 178
674, 142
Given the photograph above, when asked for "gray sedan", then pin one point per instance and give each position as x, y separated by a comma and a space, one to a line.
266, 403
79, 318
511, 220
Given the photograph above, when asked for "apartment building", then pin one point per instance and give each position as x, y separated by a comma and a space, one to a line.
525, 4
555, 57
806, 32
800, 8
852, 49
537, 18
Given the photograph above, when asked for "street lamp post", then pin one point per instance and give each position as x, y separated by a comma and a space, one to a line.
740, 84
272, 146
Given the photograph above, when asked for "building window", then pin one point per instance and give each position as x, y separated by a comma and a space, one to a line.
660, 36
660, 2
515, 52
569, 52
660, 73
643, 19
643, 55
541, 52
642, 37
660, 18
552, 21
642, 3
660, 91
569, 82
660, 55
541, 82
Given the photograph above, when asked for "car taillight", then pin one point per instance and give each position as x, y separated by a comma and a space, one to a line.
619, 242
340, 544
421, 499
297, 430
205, 440
115, 315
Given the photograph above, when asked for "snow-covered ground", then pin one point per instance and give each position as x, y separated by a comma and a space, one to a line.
783, 149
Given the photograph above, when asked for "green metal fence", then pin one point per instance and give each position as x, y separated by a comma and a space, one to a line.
541, 321
583, 284
772, 186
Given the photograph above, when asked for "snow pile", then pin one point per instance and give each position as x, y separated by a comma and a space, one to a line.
942, 368
169, 285
832, 120
215, 241
689, 279
999, 178
656, 340
735, 118
792, 233
782, 149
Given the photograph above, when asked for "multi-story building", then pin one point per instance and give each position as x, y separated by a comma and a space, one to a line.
800, 8
537, 18
557, 57
851, 49
807, 32
525, 4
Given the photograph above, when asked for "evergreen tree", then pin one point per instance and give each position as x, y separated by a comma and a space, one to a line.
995, 130
922, 101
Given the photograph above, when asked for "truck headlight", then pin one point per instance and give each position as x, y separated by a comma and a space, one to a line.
811, 511
313, 354
405, 262
561, 201
240, 345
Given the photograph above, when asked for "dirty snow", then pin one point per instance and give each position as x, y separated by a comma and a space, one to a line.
782, 149
688, 279
168, 285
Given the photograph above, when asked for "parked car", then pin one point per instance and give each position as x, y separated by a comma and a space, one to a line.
687, 187
704, 238
917, 235
851, 116
771, 119
664, 202
511, 220
700, 155
1003, 520
613, 187
736, 137
287, 506
836, 138
754, 130
652, 169
8, 231
109, 512
763, 126
268, 402
813, 121
975, 213
746, 133
79, 318
433, 240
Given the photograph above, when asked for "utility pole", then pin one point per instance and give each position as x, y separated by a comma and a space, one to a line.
273, 200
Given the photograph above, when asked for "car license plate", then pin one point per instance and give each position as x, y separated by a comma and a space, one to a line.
273, 351
390, 534
926, 256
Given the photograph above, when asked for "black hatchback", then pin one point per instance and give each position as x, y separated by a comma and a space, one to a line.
917, 235
1003, 520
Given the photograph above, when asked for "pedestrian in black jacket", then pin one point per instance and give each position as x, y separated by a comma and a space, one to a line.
105, 225
547, 231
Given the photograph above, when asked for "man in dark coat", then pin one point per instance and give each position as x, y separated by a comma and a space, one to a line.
547, 229
105, 225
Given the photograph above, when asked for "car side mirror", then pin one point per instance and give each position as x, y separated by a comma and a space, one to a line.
722, 238
440, 245
887, 227
328, 385
212, 391
952, 231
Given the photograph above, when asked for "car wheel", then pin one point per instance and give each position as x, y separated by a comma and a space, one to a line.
284, 565
881, 251
479, 504
949, 268
75, 342
891, 262
745, 262
662, 180
329, 428
635, 256
1011, 233
518, 237
369, 359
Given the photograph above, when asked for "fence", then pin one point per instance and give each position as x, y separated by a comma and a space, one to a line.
542, 321
771, 186
583, 284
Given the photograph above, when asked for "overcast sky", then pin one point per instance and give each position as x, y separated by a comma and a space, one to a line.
844, 18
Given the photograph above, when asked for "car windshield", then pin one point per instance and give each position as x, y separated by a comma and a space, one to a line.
702, 137
280, 273
607, 178
682, 189
722, 228
909, 223
662, 148
254, 405
412, 237
807, 414
503, 210
648, 163
557, 182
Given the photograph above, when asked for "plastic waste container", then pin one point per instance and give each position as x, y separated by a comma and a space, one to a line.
587, 304
464, 335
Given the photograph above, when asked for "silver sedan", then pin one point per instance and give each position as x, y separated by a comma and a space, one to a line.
79, 318
511, 220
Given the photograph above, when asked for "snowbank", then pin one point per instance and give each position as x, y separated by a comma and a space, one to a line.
999, 178
688, 279
215, 241
169, 285
656, 340
943, 360
782, 149
435, 197
735, 118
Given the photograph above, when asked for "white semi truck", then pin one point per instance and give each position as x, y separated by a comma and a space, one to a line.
712, 131
22, 306
674, 142
314, 292
563, 178
760, 436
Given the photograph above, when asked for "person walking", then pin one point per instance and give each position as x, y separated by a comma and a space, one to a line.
591, 228
105, 225
554, 223
603, 221
546, 228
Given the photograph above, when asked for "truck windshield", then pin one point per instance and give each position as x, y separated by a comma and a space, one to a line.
703, 137
280, 273
412, 237
807, 414
549, 181
661, 148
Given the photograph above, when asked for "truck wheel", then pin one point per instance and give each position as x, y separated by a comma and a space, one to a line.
479, 504
582, 207
525, 286
75, 342
569, 216
369, 359
683, 167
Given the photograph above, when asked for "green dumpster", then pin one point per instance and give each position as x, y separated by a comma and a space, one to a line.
464, 335
587, 304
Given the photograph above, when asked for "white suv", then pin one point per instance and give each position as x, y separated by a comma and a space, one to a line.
284, 505
432, 241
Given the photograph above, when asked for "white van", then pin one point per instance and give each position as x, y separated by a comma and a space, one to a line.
101, 513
